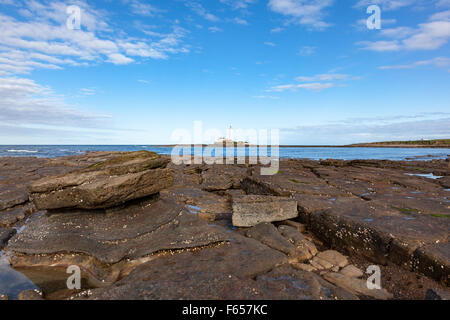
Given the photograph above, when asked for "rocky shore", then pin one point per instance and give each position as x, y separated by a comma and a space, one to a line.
140, 227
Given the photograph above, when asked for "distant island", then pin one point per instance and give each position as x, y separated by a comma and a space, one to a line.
437, 143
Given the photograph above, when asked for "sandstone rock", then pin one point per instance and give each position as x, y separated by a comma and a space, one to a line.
3, 297
297, 225
5, 235
321, 264
305, 249
222, 177
10, 216
205, 204
356, 286
287, 283
268, 234
115, 234
333, 257
12, 197
445, 182
106, 184
351, 271
303, 266
251, 210
222, 272
434, 261
30, 295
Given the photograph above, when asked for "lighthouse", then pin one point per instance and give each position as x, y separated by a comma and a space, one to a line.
230, 134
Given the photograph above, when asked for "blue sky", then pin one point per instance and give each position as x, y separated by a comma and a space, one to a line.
137, 70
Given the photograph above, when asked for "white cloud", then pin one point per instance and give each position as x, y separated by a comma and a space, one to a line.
439, 62
270, 44
215, 29
317, 82
326, 77
23, 101
426, 36
266, 97
315, 86
118, 58
386, 5
380, 46
305, 12
142, 8
276, 30
43, 40
238, 4
201, 11
240, 21
307, 50
430, 36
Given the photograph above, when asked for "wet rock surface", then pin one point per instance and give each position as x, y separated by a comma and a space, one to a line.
140, 227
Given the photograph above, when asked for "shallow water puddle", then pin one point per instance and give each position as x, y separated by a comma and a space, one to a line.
193, 209
425, 175
12, 282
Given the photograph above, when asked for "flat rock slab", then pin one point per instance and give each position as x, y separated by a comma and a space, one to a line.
197, 201
10, 197
111, 236
351, 271
356, 286
251, 210
106, 184
288, 283
333, 257
220, 272
10, 216
268, 234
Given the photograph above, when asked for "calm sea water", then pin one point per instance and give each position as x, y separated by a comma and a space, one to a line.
297, 152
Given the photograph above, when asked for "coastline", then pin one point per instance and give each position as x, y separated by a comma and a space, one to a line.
343, 215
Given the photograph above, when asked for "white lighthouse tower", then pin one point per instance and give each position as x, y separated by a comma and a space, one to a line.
230, 136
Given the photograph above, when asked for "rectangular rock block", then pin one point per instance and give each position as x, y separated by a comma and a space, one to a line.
251, 210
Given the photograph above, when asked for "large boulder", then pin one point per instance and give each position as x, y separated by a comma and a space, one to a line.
105, 184
248, 211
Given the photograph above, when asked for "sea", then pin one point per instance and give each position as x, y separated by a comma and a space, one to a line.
313, 153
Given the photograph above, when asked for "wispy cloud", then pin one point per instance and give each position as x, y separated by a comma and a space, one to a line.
307, 51
315, 83
387, 5
430, 35
238, 4
215, 29
43, 40
143, 8
23, 101
201, 11
439, 62
305, 12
